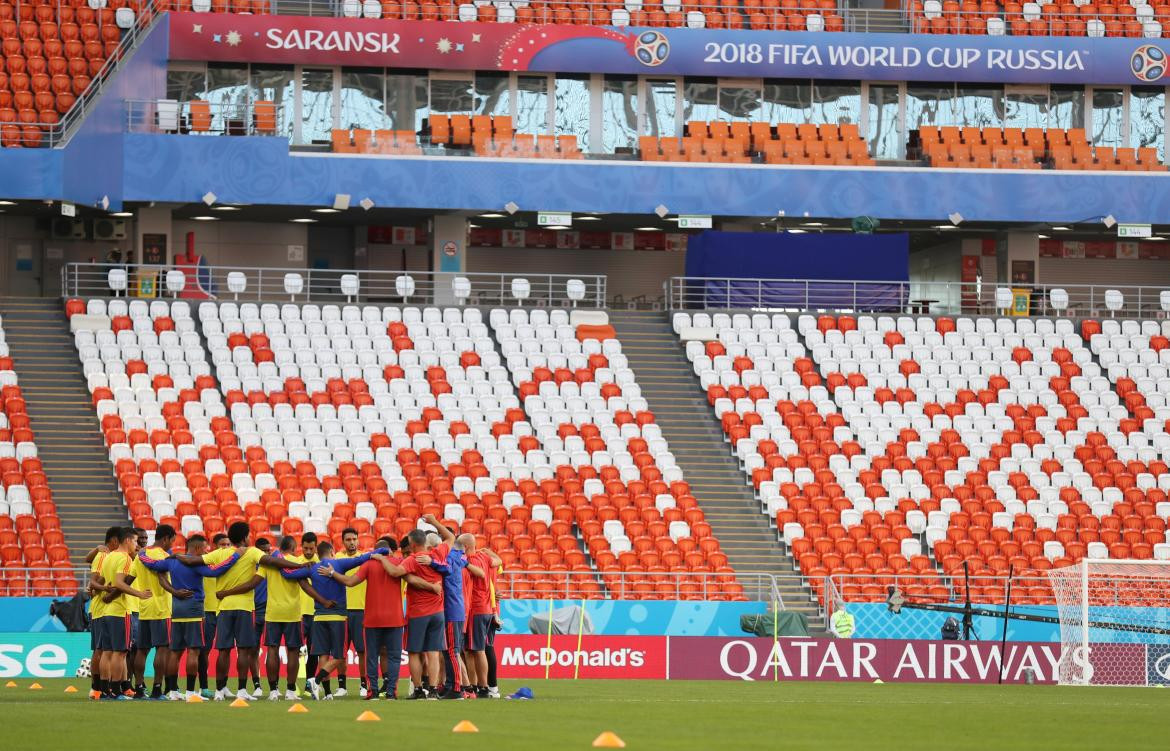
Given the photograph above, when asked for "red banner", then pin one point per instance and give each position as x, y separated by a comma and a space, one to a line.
527, 656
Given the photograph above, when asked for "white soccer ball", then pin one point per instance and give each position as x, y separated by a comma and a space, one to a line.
83, 669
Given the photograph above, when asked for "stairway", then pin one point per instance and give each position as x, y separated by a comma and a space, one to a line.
69, 441
697, 442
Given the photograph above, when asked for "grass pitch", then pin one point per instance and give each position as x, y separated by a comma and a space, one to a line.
647, 715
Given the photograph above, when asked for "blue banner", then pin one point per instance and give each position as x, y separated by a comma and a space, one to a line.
42, 655
29, 614
630, 618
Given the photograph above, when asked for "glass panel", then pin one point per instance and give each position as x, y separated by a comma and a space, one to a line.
1024, 110
929, 104
661, 101
185, 85
836, 104
316, 105
786, 102
1066, 107
1107, 109
619, 113
491, 94
979, 107
739, 103
532, 104
572, 108
275, 84
1147, 119
406, 100
700, 100
362, 100
452, 97
227, 90
885, 142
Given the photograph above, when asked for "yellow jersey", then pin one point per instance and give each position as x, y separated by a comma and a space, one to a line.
241, 572
284, 597
97, 608
114, 564
308, 605
355, 597
158, 607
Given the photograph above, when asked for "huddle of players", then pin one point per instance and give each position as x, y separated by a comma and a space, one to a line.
236, 596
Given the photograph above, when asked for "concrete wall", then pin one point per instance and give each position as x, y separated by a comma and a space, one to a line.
246, 243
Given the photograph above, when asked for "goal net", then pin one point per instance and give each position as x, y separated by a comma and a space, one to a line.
1114, 622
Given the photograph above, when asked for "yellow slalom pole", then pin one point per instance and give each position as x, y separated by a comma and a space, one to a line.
580, 631
548, 666
775, 641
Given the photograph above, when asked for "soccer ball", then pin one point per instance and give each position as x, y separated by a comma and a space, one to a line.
1148, 63
83, 670
651, 48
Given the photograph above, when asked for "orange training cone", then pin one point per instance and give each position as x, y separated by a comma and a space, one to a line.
71, 689
239, 703
195, 699
608, 739
35, 687
368, 716
465, 726
298, 708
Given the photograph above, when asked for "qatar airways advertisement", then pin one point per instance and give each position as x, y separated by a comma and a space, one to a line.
438, 45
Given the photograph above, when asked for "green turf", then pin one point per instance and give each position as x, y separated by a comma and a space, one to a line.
723, 716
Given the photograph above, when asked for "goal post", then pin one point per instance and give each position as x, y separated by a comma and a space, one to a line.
1114, 622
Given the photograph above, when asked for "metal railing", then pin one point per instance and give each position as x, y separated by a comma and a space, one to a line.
222, 118
575, 585
57, 134
924, 298
325, 285
42, 581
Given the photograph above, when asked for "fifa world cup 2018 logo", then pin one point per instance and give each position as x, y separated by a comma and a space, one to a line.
651, 48
1148, 63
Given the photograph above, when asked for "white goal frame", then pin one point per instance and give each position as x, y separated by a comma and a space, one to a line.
1074, 595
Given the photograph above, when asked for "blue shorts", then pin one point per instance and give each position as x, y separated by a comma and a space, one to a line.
114, 632
210, 623
425, 634
259, 621
93, 634
291, 633
307, 631
328, 639
133, 632
186, 635
483, 632
356, 623
235, 629
155, 633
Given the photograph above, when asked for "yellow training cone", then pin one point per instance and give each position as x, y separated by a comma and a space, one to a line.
195, 699
239, 703
297, 708
608, 739
10, 684
35, 687
368, 716
878, 680
465, 726
71, 689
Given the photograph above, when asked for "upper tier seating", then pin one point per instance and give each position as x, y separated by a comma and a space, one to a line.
1028, 148
327, 417
49, 54
1139, 19
30, 531
992, 441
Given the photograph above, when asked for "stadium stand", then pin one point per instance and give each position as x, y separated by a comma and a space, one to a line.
1028, 148
30, 530
992, 441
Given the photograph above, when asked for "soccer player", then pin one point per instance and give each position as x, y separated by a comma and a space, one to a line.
186, 612
483, 565
383, 576
210, 618
154, 624
115, 625
308, 555
355, 606
330, 617
234, 629
260, 599
424, 614
96, 557
454, 616
282, 624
